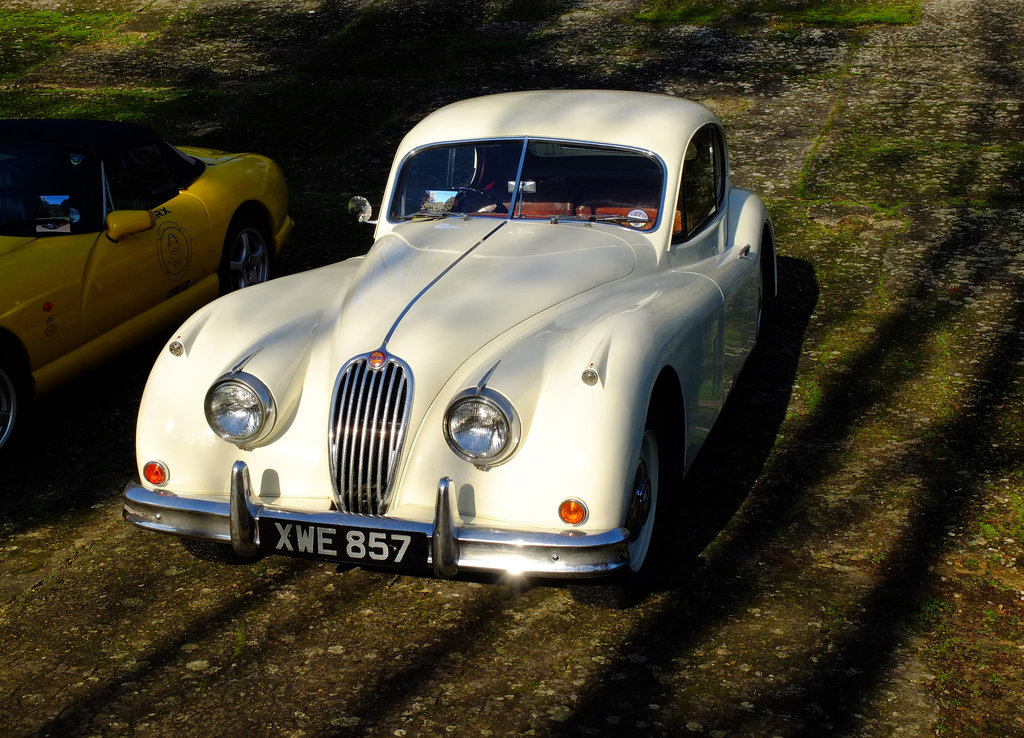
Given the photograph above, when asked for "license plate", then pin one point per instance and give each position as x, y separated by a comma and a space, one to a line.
343, 544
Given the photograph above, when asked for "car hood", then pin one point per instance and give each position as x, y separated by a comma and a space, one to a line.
445, 288
210, 156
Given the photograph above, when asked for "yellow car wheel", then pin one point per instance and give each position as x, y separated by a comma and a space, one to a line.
12, 403
247, 254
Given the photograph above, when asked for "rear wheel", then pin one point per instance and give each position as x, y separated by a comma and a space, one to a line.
765, 281
247, 254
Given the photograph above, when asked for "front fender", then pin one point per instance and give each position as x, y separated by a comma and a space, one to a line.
578, 440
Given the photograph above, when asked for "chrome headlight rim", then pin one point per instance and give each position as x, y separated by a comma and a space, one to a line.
496, 401
262, 394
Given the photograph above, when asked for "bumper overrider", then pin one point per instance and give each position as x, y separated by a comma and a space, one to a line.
446, 546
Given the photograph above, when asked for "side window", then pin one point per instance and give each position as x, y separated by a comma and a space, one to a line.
138, 179
703, 186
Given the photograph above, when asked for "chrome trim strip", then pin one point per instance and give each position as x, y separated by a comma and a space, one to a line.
539, 554
517, 196
435, 280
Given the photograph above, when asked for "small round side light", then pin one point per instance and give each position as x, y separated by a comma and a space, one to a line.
176, 348
572, 512
589, 376
156, 473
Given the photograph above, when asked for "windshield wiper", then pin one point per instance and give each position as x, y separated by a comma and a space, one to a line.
555, 219
436, 215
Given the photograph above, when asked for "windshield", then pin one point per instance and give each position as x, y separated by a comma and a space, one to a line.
47, 191
553, 180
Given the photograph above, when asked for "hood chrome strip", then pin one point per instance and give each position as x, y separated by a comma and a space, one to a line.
434, 281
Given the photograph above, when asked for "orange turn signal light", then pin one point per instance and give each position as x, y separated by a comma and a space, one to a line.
572, 512
155, 472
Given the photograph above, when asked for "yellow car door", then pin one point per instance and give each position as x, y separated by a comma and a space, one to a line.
50, 215
127, 281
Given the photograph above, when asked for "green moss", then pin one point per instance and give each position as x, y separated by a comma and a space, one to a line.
28, 38
838, 13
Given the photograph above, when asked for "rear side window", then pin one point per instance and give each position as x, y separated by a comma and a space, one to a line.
48, 190
703, 185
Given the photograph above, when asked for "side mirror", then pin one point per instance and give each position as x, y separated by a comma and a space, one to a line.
124, 223
360, 208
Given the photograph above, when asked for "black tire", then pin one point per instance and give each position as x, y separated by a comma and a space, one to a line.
766, 285
14, 398
641, 515
248, 253
217, 553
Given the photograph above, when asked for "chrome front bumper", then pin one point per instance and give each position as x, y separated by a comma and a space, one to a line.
453, 547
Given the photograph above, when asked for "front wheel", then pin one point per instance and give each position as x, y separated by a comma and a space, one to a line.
633, 582
247, 255
642, 507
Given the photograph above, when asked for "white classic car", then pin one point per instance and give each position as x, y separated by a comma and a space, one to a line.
563, 289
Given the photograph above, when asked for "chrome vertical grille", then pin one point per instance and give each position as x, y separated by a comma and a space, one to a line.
371, 408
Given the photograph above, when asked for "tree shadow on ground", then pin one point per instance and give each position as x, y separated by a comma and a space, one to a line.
947, 467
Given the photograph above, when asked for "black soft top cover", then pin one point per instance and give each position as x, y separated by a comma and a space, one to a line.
103, 137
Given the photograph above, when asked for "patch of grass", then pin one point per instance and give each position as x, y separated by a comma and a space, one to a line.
529, 10
240, 643
153, 107
692, 12
928, 615
972, 649
28, 38
834, 13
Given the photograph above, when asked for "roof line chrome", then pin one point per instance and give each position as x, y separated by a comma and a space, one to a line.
434, 281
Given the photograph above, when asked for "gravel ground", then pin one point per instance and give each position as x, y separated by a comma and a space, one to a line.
846, 552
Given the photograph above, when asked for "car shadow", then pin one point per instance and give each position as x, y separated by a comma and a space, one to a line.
78, 443
742, 439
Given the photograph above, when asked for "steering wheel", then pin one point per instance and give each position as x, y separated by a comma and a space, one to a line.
467, 195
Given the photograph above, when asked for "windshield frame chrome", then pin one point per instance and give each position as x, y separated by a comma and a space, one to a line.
515, 204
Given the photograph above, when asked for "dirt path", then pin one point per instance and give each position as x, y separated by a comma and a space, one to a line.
853, 572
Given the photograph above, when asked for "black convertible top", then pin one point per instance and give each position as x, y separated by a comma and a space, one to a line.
85, 161
101, 136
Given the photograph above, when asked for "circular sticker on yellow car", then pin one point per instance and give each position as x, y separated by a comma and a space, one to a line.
175, 249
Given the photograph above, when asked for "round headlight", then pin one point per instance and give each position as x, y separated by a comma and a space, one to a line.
240, 409
481, 427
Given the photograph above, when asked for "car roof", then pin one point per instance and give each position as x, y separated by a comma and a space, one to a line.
100, 136
659, 123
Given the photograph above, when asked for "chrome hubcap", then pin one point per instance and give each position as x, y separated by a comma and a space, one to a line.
8, 407
643, 502
250, 260
639, 503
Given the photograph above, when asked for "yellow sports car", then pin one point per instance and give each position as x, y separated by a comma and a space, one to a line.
109, 234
